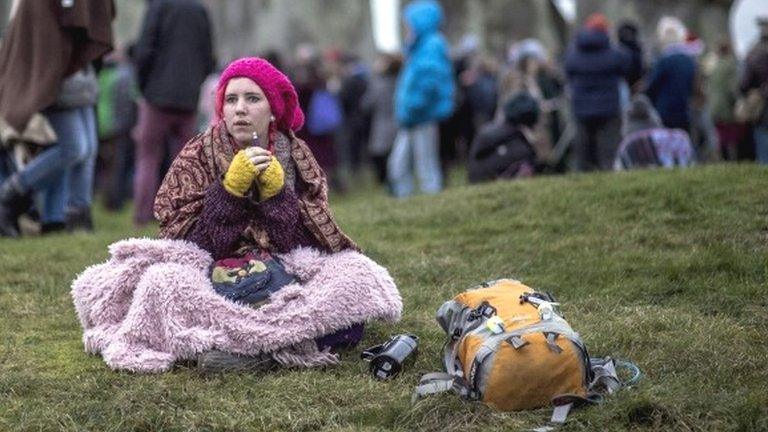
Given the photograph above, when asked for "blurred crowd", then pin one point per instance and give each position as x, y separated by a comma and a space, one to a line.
112, 118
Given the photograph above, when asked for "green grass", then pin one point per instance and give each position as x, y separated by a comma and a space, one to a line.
668, 269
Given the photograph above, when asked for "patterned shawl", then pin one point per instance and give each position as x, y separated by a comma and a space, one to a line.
205, 159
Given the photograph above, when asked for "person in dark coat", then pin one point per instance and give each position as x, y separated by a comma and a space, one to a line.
595, 70
671, 80
458, 130
629, 40
482, 89
755, 76
311, 80
357, 125
503, 149
173, 57
378, 103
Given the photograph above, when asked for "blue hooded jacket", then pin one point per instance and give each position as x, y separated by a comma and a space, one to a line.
594, 70
425, 87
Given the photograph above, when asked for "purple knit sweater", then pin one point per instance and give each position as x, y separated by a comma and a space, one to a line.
225, 216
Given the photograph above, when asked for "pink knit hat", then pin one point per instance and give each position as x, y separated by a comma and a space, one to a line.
280, 93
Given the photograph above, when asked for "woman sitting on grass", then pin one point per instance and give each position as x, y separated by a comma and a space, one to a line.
251, 269
247, 189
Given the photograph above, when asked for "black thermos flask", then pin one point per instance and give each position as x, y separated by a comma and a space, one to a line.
386, 360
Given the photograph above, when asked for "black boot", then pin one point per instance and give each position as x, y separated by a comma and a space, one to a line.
52, 227
79, 219
13, 202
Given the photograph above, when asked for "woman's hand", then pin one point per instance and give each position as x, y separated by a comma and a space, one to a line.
259, 157
241, 173
271, 180
269, 172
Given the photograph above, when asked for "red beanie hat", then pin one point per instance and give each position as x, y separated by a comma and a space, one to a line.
598, 22
282, 97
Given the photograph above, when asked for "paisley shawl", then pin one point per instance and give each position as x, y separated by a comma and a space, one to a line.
205, 159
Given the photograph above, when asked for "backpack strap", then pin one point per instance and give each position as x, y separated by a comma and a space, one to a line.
453, 379
371, 352
605, 381
440, 382
467, 321
473, 379
563, 404
450, 361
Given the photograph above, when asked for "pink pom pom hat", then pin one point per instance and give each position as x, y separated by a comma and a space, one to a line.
282, 97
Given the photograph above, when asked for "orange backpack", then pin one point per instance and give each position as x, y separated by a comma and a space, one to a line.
509, 347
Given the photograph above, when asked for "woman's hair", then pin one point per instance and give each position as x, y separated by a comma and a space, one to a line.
670, 30
392, 64
521, 109
627, 33
639, 115
524, 62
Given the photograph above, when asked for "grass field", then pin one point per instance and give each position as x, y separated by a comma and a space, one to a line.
668, 269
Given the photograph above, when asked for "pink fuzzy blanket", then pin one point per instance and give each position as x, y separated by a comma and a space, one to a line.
152, 304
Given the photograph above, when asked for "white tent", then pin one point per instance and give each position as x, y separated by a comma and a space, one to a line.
744, 31
385, 20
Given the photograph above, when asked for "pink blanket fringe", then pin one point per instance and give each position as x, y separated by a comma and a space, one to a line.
152, 304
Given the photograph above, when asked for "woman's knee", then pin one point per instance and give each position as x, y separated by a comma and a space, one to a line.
353, 267
74, 136
170, 283
310, 264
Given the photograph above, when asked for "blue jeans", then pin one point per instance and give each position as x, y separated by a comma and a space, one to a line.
417, 148
63, 173
761, 144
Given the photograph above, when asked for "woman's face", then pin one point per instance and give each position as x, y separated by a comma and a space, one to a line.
246, 110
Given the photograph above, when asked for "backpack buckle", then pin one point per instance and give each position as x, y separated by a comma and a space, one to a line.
485, 310
517, 342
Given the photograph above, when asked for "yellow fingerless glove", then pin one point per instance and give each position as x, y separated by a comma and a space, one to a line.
240, 174
271, 180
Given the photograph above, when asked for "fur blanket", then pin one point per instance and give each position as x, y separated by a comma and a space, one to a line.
152, 303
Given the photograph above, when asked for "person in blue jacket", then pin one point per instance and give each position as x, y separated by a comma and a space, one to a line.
670, 83
423, 96
595, 71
